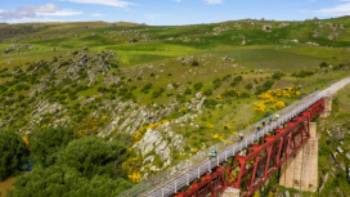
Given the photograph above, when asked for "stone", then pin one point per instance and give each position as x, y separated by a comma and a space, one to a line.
314, 44
348, 156
340, 150
170, 86
343, 166
267, 28
324, 181
334, 156
295, 41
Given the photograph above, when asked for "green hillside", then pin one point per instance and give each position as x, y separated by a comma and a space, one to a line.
144, 98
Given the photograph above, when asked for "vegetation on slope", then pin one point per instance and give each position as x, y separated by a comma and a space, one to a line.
165, 93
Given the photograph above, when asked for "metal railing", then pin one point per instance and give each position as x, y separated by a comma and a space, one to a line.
167, 184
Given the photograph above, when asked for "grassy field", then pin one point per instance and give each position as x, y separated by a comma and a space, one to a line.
129, 79
147, 54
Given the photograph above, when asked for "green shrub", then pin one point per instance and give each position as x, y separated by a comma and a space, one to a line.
146, 88
102, 89
249, 86
22, 86
195, 63
210, 103
188, 91
264, 87
236, 81
180, 98
226, 77
91, 156
230, 93
2, 89
158, 93
13, 153
46, 143
277, 75
61, 180
208, 92
217, 83
198, 86
303, 74
324, 65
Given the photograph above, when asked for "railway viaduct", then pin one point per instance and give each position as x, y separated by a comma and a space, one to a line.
288, 145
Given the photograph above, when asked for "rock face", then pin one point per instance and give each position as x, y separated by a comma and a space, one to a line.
91, 95
348, 156
161, 141
46, 109
128, 117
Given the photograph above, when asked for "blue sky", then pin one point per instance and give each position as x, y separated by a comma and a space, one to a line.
168, 12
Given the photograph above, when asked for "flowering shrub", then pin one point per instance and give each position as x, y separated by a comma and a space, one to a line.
135, 177
218, 137
139, 133
132, 166
260, 107
271, 99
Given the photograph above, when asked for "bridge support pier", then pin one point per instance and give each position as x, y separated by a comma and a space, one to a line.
301, 172
231, 192
328, 107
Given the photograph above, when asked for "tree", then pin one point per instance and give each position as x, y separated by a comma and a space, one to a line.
277, 75
195, 63
324, 65
264, 87
146, 88
46, 143
92, 155
198, 86
12, 153
61, 180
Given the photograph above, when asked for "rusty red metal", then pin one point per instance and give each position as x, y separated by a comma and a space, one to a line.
252, 168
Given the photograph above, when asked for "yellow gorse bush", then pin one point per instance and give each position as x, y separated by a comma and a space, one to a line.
270, 100
266, 96
194, 150
210, 126
260, 107
132, 166
218, 137
139, 133
135, 177
280, 104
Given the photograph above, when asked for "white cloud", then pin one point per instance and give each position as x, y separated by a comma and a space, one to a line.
39, 20
113, 3
31, 12
61, 13
338, 10
214, 2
